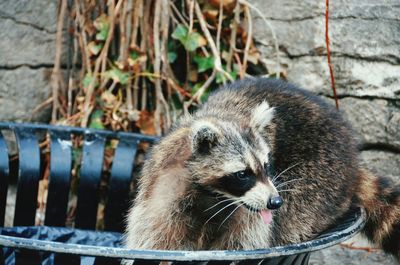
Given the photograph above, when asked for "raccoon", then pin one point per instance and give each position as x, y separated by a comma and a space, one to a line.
262, 163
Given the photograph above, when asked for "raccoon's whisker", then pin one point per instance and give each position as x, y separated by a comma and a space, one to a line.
219, 196
248, 218
286, 182
218, 203
284, 171
288, 190
220, 211
241, 204
259, 214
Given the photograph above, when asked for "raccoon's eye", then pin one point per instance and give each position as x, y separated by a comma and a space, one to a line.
237, 183
241, 175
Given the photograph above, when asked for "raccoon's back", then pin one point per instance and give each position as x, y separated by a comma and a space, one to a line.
304, 125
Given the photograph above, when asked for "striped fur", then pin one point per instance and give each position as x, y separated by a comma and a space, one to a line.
380, 197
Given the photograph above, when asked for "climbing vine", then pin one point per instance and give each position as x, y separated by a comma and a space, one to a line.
138, 65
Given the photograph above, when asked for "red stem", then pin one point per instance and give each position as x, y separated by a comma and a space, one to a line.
329, 54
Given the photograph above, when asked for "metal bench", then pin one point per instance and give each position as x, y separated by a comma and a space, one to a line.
54, 243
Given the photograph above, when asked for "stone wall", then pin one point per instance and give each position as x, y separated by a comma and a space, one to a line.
365, 45
27, 48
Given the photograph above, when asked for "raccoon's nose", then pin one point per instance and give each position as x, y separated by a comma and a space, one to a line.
274, 202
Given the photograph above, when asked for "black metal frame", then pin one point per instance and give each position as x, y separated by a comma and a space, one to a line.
28, 249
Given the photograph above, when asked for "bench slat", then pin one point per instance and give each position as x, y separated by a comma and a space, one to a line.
119, 184
66, 259
27, 257
4, 175
89, 180
28, 177
60, 176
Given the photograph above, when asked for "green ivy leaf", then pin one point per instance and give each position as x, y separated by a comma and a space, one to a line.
172, 57
221, 78
204, 63
180, 33
191, 41
118, 75
95, 48
103, 26
102, 35
134, 55
196, 87
87, 79
234, 74
96, 120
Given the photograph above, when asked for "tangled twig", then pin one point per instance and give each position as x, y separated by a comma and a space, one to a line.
211, 43
274, 38
101, 60
56, 79
132, 68
248, 41
232, 41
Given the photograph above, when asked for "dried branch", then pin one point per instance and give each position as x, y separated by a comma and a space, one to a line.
232, 42
352, 247
220, 18
158, 51
200, 92
142, 80
248, 41
123, 52
137, 16
41, 106
191, 11
56, 78
101, 60
157, 64
178, 14
274, 38
211, 43
82, 37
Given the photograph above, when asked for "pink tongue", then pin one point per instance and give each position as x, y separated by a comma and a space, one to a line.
266, 215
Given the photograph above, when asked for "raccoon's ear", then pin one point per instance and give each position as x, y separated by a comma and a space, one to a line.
261, 116
204, 137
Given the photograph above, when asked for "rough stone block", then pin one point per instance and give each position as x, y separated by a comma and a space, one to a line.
21, 44
338, 255
289, 9
21, 90
353, 77
361, 29
365, 9
377, 39
295, 38
40, 14
373, 121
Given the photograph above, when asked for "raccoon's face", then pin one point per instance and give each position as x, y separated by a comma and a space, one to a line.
234, 161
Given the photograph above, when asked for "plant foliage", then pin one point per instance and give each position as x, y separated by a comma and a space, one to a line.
131, 61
